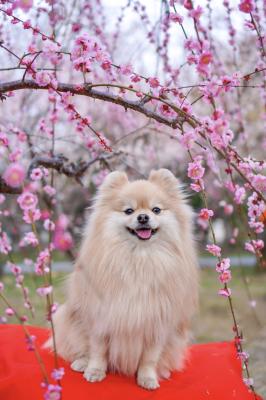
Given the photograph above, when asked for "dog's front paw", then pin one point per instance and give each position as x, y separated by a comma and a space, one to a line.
94, 374
79, 365
148, 382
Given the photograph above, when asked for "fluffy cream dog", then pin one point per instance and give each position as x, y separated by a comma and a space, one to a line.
134, 289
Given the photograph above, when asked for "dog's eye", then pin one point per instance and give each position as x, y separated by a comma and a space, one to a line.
129, 211
156, 210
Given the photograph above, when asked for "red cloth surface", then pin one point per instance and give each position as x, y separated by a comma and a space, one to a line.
213, 372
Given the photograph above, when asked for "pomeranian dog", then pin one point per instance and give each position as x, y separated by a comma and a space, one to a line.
134, 288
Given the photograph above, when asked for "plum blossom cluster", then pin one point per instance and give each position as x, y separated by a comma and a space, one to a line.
87, 51
254, 246
204, 215
5, 245
196, 172
44, 291
214, 249
42, 265
62, 239
223, 268
25, 5
256, 208
30, 342
52, 392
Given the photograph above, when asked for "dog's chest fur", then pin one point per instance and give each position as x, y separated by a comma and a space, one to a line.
137, 290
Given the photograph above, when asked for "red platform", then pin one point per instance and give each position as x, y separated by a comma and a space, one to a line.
213, 372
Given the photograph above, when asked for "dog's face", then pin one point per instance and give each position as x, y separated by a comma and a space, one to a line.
143, 210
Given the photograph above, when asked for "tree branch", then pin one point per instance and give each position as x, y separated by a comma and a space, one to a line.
82, 90
86, 90
72, 170
4, 188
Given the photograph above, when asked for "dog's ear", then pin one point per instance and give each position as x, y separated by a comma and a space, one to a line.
114, 180
165, 180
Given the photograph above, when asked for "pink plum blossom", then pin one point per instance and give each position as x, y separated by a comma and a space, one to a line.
188, 4
25, 5
49, 190
197, 187
3, 140
254, 245
126, 69
195, 170
188, 139
29, 239
58, 374
228, 208
62, 240
259, 182
27, 24
54, 308
27, 201
15, 155
22, 136
214, 249
205, 213
196, 12
225, 276
53, 392
248, 381
43, 78
135, 78
225, 292
243, 355
176, 18
2, 198
240, 195
44, 291
15, 269
36, 174
258, 227
31, 215
153, 82
223, 265
9, 311
5, 246
30, 341
62, 222
49, 225
203, 62
246, 6
45, 214
14, 175
43, 262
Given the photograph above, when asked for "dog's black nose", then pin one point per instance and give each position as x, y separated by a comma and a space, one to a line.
143, 218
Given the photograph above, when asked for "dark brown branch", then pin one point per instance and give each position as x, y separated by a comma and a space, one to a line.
95, 94
60, 163
4, 188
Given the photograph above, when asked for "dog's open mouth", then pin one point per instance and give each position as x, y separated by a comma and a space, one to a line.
142, 233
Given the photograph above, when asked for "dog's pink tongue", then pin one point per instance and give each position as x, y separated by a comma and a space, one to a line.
144, 233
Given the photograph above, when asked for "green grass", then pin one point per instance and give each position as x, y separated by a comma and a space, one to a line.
212, 323
214, 320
